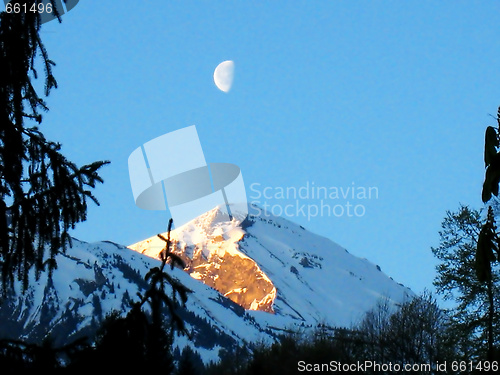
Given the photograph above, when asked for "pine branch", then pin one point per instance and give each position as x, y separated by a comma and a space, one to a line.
43, 194
156, 295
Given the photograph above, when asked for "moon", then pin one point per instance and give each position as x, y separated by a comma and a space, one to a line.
223, 75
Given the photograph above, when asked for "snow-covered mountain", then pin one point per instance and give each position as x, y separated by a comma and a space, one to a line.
249, 282
93, 280
270, 264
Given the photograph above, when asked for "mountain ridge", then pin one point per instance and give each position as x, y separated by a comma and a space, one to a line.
291, 258
308, 280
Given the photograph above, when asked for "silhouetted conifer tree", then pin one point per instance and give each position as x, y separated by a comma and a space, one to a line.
42, 194
190, 363
475, 319
489, 242
142, 340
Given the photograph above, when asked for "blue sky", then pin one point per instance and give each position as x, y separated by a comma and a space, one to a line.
393, 95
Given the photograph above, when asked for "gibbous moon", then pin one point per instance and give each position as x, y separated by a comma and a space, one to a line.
223, 75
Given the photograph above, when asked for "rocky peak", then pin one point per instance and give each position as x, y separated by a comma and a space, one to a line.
209, 246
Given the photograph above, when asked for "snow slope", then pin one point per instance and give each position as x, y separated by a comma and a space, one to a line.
309, 278
285, 276
93, 280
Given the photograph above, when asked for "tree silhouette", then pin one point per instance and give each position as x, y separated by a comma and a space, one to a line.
475, 319
143, 339
42, 194
488, 242
190, 363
